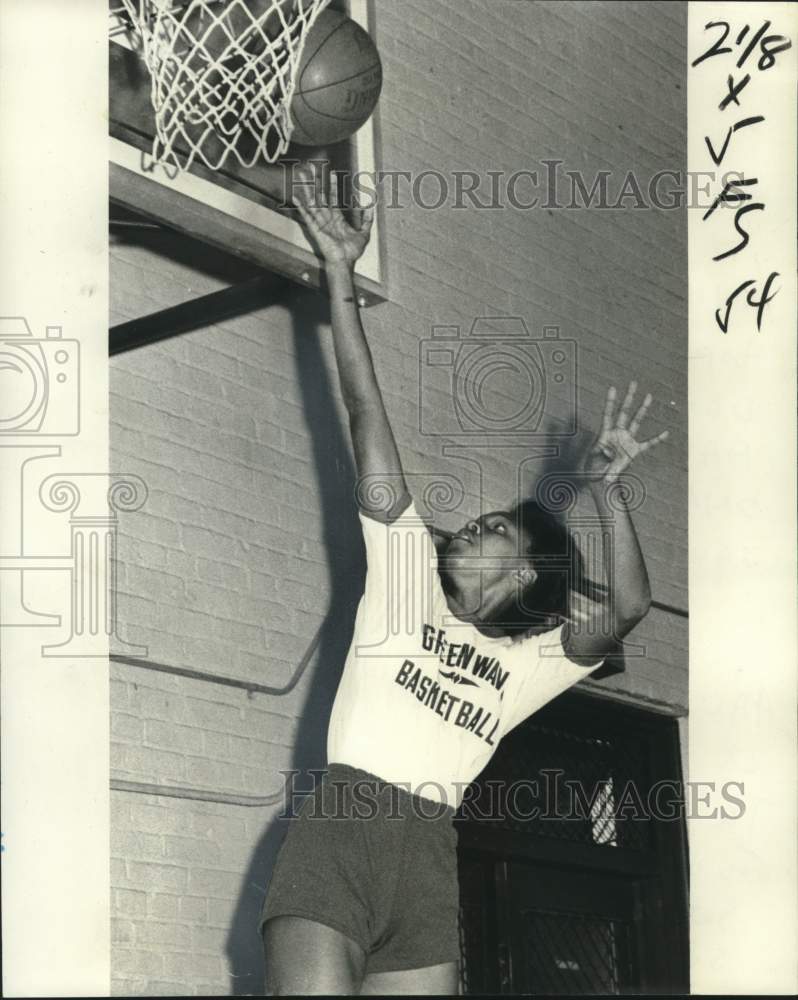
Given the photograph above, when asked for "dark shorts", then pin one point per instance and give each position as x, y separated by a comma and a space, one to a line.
375, 863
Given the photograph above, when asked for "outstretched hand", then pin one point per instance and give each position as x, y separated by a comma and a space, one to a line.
616, 447
338, 240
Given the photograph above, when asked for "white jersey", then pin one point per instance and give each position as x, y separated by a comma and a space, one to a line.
425, 697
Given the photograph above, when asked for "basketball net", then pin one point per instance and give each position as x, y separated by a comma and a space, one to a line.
222, 74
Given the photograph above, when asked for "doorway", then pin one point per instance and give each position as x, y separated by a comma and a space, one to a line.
570, 883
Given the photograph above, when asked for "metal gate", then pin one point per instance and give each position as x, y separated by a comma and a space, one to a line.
569, 885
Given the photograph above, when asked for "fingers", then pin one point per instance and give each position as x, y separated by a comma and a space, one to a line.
303, 199
303, 180
363, 215
320, 210
652, 442
366, 219
311, 215
307, 190
609, 409
638, 417
623, 416
300, 207
315, 214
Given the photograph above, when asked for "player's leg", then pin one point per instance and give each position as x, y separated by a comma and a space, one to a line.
432, 981
305, 957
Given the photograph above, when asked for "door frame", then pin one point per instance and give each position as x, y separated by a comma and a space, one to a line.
659, 874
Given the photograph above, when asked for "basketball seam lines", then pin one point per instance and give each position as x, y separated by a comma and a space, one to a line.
314, 52
325, 114
360, 72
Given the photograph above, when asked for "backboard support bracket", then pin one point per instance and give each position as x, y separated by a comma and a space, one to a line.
245, 213
226, 303
177, 211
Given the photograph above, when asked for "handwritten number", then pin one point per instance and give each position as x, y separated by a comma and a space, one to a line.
757, 206
769, 52
752, 44
764, 48
758, 304
763, 299
716, 48
769, 46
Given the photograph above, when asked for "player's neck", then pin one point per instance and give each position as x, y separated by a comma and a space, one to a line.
469, 600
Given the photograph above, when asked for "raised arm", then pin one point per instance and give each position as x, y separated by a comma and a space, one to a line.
377, 459
629, 595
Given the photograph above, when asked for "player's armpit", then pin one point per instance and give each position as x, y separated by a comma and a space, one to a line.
388, 511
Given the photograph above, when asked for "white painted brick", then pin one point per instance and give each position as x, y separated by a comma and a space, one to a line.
192, 851
193, 909
135, 962
162, 936
185, 967
230, 565
213, 884
130, 903
162, 906
158, 877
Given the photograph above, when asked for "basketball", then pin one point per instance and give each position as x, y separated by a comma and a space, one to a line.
338, 81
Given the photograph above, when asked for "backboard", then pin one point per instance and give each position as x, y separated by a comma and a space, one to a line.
242, 210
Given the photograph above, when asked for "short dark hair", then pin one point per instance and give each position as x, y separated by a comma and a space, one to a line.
543, 604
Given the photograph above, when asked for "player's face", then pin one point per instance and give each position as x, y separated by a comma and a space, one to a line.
492, 544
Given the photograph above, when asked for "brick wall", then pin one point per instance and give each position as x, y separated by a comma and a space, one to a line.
247, 550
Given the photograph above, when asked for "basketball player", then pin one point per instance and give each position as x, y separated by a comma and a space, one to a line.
364, 895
